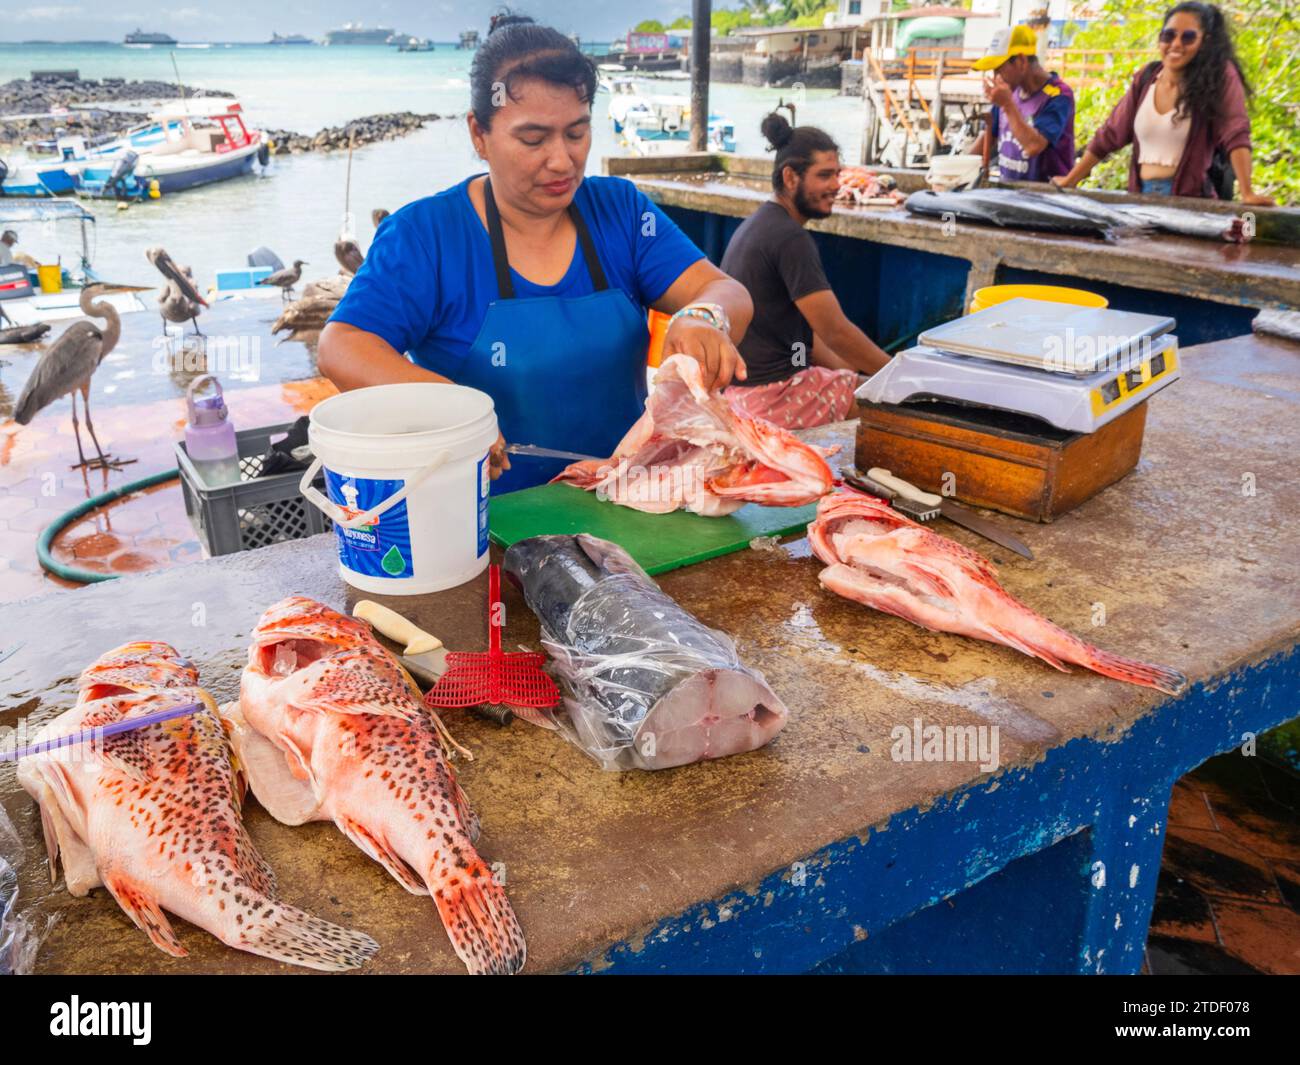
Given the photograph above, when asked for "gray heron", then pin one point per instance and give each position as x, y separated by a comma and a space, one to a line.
285, 279
67, 366
179, 300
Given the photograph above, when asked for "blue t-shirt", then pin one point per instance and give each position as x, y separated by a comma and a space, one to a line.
428, 277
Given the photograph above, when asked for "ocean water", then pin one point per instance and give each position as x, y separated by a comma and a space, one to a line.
297, 206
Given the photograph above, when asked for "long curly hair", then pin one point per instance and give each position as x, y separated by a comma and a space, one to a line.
1202, 90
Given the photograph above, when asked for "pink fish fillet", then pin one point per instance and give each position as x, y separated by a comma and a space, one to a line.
332, 729
153, 815
875, 555
691, 450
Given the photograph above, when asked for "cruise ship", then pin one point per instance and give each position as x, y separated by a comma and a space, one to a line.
355, 33
140, 37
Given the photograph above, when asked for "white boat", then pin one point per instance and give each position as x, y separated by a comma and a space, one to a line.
203, 141
661, 125
23, 302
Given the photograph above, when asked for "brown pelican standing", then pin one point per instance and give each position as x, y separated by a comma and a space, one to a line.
285, 279
348, 253
179, 300
66, 367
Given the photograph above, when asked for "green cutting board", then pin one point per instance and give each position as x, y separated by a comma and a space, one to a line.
659, 542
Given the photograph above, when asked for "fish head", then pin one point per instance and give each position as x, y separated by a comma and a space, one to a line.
297, 631
136, 667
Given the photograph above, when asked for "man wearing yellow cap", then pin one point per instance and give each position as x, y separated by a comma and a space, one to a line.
1033, 111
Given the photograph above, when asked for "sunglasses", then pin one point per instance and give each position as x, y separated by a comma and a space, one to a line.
1189, 37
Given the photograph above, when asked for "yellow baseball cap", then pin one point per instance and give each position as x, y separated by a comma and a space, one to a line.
1008, 41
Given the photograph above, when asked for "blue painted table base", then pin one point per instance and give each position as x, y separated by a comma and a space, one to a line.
1046, 869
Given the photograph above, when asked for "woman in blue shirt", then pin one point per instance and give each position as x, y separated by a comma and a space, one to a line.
531, 282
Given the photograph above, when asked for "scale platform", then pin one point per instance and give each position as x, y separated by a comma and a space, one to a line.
1074, 368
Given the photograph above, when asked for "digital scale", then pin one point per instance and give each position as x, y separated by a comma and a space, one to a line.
1076, 368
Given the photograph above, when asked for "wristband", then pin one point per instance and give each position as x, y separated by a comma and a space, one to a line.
712, 313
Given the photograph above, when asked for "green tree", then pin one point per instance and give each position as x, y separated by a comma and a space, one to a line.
650, 25
1267, 37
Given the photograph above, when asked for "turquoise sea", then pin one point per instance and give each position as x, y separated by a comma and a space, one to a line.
297, 207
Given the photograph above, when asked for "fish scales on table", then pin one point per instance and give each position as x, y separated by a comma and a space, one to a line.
876, 556
154, 816
691, 450
649, 685
331, 728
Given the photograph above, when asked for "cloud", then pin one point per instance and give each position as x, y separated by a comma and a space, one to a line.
45, 13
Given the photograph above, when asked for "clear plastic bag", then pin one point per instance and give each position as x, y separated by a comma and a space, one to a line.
20, 938
646, 684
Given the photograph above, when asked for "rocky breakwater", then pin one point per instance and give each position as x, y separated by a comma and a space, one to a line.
359, 131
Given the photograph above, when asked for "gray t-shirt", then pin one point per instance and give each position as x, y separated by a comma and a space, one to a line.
775, 258
6, 256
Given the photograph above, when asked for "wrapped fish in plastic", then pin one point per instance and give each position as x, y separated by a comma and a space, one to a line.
647, 684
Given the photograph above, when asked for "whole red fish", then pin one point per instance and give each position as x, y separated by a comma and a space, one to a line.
875, 555
153, 815
332, 729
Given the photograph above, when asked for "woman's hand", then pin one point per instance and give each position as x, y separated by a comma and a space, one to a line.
1257, 199
710, 347
498, 460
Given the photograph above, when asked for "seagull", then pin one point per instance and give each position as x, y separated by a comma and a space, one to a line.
285, 279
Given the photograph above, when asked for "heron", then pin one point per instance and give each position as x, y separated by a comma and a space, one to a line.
67, 366
179, 301
285, 279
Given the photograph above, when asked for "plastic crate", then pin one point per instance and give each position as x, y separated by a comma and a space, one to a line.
257, 511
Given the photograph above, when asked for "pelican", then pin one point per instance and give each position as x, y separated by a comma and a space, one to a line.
378, 215
66, 367
285, 279
348, 253
179, 300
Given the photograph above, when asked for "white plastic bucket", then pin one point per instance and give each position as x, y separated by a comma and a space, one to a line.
406, 472
948, 172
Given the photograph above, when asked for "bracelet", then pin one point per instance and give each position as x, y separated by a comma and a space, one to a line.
712, 313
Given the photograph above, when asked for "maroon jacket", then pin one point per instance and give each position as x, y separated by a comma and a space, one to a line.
1190, 179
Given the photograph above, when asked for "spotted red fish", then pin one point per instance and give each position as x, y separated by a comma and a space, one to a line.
332, 729
154, 816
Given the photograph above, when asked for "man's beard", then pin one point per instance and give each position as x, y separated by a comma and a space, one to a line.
805, 207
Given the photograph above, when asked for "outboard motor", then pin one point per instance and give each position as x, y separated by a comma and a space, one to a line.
264, 256
123, 168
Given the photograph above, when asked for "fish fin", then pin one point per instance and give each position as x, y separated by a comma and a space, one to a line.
540, 718
127, 753
383, 854
143, 909
930, 578
1033, 650
468, 818
1149, 675
288, 934
354, 681
483, 929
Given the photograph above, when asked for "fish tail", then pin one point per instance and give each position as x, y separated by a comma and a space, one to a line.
1162, 678
288, 934
482, 927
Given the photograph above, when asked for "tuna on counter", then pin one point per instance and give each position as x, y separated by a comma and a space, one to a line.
647, 685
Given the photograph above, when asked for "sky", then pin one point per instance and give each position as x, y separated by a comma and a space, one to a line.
255, 20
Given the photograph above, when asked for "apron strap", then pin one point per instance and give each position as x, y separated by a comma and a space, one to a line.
505, 285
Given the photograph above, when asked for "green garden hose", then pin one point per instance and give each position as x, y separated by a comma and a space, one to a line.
83, 576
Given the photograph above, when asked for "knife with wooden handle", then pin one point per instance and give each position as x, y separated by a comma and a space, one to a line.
424, 657
952, 511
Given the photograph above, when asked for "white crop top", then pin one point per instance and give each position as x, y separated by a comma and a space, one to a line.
1161, 138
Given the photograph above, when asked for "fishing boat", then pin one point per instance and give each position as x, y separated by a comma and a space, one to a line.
416, 45
23, 300
35, 178
204, 140
468, 41
661, 125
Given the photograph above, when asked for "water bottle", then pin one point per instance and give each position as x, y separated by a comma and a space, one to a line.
210, 435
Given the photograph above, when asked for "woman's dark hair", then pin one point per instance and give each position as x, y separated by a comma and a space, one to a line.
1202, 93
530, 51
794, 146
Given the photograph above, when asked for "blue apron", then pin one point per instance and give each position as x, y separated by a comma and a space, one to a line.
563, 373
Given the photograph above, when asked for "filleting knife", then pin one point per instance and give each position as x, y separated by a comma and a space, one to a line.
954, 512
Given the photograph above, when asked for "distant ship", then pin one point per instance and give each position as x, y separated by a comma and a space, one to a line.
293, 38
355, 33
468, 40
140, 37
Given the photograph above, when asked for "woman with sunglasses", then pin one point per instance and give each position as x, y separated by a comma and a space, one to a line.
1179, 111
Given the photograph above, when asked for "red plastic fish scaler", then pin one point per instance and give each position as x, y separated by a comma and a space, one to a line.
513, 680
